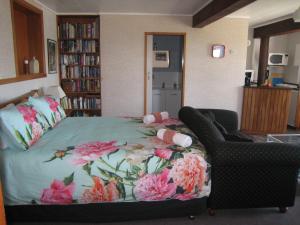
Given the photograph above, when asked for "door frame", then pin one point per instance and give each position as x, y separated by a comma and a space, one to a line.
183, 34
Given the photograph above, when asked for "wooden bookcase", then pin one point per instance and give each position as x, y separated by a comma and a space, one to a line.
79, 63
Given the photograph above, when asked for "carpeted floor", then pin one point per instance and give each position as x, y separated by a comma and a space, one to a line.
223, 217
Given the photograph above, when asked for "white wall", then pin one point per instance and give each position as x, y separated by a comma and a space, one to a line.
286, 43
215, 83
7, 60
210, 83
293, 49
12, 90
278, 44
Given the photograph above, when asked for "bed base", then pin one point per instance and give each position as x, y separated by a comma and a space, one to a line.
105, 212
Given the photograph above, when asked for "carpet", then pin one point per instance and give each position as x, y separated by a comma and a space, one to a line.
268, 216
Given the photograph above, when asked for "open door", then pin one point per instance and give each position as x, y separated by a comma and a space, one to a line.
164, 72
149, 66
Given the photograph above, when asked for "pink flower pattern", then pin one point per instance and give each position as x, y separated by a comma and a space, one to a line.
100, 192
52, 104
86, 153
152, 187
57, 117
147, 179
163, 153
189, 172
37, 132
58, 193
29, 114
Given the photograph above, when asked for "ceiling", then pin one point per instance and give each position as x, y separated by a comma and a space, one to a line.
168, 7
258, 12
262, 11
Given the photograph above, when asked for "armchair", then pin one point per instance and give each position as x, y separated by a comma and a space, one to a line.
244, 175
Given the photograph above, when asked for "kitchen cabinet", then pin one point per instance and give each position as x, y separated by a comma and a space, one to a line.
166, 100
265, 110
293, 109
158, 100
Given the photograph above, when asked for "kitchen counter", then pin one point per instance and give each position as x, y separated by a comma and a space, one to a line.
270, 88
265, 109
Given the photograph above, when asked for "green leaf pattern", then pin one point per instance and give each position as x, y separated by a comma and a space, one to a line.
118, 178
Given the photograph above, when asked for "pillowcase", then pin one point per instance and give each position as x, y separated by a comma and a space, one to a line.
23, 124
50, 107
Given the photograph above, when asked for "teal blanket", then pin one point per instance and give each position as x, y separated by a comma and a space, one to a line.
92, 160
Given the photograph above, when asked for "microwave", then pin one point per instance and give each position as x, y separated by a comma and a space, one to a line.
278, 59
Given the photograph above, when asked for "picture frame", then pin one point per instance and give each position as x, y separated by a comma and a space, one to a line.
161, 59
218, 51
52, 62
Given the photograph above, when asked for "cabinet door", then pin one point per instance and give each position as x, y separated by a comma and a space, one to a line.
173, 102
157, 101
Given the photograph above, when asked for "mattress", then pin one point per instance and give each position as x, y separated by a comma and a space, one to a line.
101, 160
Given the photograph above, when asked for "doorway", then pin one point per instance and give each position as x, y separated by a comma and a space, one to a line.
164, 72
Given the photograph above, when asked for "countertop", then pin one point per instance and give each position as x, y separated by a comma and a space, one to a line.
270, 88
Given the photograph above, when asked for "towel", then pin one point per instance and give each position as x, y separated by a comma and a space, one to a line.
172, 137
156, 117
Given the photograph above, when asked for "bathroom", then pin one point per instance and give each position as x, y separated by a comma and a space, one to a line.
167, 73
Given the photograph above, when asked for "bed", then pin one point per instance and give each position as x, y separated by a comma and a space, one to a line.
104, 169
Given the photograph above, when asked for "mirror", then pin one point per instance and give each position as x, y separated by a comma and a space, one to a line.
218, 51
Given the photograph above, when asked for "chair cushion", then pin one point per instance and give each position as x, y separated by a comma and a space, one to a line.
204, 128
211, 116
235, 136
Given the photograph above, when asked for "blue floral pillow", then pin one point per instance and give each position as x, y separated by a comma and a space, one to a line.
23, 124
50, 107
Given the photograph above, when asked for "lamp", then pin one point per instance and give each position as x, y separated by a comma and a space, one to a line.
55, 91
58, 93
296, 16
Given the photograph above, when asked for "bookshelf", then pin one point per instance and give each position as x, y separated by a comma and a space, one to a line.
79, 63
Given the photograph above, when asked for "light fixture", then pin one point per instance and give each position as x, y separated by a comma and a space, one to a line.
296, 16
55, 91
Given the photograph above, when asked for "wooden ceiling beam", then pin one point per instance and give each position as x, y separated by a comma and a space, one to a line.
216, 10
278, 28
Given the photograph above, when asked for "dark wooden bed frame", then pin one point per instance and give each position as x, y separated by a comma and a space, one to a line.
101, 212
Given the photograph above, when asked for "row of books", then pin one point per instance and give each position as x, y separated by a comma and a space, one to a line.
78, 30
79, 72
84, 114
83, 103
86, 86
78, 46
85, 60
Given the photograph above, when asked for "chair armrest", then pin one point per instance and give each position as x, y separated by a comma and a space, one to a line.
228, 118
256, 154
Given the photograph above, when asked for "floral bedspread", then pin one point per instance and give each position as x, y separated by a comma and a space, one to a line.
92, 160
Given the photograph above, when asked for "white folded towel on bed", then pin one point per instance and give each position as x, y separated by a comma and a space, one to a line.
170, 136
156, 117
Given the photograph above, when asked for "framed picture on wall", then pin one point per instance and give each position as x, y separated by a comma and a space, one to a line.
161, 59
51, 46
